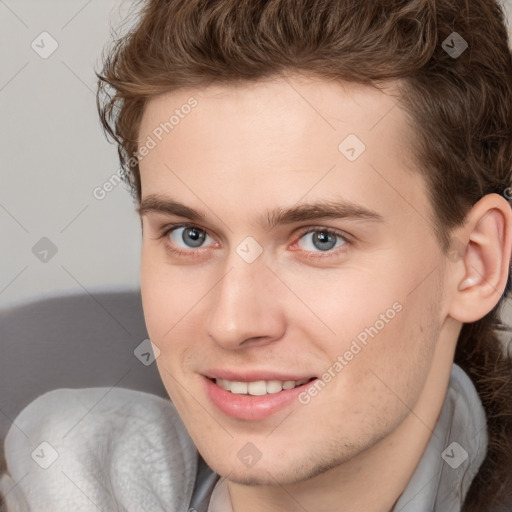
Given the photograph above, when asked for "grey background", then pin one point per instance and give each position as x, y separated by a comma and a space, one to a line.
54, 155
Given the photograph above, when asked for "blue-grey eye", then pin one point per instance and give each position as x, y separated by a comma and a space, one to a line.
192, 237
323, 240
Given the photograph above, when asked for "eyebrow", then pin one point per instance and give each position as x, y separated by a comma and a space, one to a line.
156, 203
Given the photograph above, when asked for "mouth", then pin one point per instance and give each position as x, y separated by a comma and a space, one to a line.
259, 387
254, 400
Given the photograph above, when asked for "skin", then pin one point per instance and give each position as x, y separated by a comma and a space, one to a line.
249, 148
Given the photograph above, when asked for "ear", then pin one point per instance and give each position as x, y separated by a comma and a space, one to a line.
480, 259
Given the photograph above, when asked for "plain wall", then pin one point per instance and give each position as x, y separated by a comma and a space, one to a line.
54, 155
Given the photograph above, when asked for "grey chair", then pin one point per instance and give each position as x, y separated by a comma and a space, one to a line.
84, 340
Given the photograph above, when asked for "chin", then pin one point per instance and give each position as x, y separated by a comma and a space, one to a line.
288, 472
250, 479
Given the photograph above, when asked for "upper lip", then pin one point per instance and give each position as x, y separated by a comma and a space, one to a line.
253, 375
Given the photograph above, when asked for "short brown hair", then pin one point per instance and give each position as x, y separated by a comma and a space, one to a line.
460, 106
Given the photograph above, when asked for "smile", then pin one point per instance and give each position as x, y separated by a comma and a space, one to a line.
252, 401
259, 387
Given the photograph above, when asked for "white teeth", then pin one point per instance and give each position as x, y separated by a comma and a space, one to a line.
240, 388
258, 388
274, 386
224, 383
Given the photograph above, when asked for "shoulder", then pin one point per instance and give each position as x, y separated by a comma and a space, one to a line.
107, 446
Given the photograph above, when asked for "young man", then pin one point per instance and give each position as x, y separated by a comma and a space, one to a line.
326, 243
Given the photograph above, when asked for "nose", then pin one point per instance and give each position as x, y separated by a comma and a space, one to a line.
246, 309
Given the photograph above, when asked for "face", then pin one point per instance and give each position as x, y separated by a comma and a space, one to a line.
351, 300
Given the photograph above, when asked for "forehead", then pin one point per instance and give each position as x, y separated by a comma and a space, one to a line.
288, 103
281, 140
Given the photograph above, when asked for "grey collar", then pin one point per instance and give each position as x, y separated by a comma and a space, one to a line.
442, 478
454, 454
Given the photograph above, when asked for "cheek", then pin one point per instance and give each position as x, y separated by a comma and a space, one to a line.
382, 348
168, 298
152, 291
348, 307
377, 388
168, 294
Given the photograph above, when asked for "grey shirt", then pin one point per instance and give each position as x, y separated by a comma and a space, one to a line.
114, 449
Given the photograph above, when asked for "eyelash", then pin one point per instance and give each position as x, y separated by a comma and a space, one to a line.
316, 255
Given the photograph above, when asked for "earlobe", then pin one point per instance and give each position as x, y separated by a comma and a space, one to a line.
481, 274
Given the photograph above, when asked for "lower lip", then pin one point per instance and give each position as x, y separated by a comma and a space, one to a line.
250, 407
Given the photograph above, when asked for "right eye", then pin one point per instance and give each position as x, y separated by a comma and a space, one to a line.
191, 237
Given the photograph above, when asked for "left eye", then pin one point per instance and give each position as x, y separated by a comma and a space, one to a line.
323, 239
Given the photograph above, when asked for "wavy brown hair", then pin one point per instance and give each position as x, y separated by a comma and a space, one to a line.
460, 108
